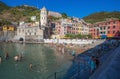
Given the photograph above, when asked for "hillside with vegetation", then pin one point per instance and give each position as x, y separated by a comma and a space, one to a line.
3, 6
21, 13
101, 16
24, 12
16, 14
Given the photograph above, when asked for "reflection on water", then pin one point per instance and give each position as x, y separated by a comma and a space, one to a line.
45, 61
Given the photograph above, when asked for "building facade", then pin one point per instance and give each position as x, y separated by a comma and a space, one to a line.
29, 32
8, 28
105, 29
94, 31
66, 26
35, 30
54, 14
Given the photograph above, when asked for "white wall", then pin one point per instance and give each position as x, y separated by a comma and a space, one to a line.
68, 41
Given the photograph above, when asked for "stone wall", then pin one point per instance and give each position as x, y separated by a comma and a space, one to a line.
6, 35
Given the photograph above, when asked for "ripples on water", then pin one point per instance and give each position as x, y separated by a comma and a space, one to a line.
44, 59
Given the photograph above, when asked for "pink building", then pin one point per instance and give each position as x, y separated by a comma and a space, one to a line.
57, 27
109, 28
70, 27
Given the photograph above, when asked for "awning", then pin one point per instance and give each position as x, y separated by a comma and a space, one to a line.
109, 35
103, 36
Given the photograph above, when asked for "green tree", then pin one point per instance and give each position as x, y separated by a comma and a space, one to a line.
64, 15
79, 36
89, 36
4, 22
52, 18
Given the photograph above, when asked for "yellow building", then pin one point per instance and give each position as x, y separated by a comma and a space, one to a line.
79, 28
8, 28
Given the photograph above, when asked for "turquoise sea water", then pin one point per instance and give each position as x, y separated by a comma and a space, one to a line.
45, 62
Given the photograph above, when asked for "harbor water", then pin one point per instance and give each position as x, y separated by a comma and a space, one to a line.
45, 62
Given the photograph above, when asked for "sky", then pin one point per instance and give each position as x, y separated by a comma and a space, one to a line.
74, 8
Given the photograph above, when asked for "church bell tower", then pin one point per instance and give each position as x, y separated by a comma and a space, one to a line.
43, 17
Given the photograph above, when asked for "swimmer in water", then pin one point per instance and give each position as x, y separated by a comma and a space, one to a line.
30, 66
6, 55
16, 58
20, 57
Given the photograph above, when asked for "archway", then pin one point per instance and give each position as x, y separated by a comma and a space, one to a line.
21, 39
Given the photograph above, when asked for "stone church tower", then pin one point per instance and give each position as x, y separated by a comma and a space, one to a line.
44, 22
43, 17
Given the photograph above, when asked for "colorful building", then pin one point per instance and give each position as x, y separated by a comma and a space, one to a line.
54, 14
8, 28
105, 29
67, 26
94, 31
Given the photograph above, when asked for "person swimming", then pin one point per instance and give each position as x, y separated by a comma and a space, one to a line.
16, 58
30, 66
20, 57
6, 55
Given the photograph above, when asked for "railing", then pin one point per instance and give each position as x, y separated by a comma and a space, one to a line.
57, 75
